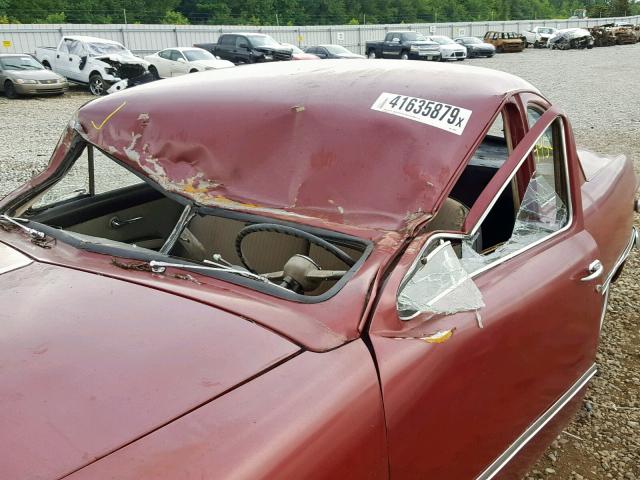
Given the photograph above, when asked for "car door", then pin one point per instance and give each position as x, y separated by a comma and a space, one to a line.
391, 46
163, 63
73, 60
497, 337
179, 64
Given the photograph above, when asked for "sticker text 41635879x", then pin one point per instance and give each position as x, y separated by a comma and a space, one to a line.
440, 115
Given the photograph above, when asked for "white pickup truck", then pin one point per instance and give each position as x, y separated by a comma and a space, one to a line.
539, 36
106, 66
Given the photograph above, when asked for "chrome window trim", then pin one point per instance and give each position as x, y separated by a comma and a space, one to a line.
633, 242
462, 236
498, 464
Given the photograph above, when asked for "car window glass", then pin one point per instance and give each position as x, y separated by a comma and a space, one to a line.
533, 115
530, 208
76, 47
63, 47
164, 54
176, 55
241, 42
107, 176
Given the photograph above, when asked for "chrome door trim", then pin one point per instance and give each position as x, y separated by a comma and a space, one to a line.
499, 463
633, 242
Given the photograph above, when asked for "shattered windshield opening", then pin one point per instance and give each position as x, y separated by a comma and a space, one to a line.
92, 202
105, 48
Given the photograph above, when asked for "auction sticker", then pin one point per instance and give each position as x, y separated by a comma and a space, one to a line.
440, 115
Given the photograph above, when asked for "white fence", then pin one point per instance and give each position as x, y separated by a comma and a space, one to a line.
142, 39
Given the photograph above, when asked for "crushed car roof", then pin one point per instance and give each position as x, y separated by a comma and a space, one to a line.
317, 140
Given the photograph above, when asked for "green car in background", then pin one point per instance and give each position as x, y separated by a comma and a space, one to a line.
21, 74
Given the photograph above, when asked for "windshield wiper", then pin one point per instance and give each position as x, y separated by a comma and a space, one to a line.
32, 232
160, 267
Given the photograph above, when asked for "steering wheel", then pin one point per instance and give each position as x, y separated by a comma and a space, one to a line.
301, 273
291, 231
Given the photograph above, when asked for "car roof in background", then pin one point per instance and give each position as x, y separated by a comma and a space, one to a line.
86, 39
215, 137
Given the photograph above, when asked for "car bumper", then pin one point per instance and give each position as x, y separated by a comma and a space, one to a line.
455, 55
425, 55
41, 89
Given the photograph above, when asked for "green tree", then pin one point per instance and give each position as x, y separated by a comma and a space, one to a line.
175, 18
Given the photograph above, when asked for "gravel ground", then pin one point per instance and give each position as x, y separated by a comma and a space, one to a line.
599, 90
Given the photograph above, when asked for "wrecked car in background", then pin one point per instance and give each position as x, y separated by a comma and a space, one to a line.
571, 38
180, 311
538, 36
103, 65
505, 42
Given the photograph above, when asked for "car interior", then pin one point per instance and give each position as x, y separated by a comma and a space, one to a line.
99, 201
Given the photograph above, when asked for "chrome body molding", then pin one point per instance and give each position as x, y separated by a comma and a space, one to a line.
11, 259
633, 242
498, 464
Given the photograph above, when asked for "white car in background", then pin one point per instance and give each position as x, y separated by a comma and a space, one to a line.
449, 50
173, 62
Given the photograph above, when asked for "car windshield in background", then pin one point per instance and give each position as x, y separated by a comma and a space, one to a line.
336, 49
442, 40
293, 48
20, 63
195, 55
411, 36
263, 41
105, 48
471, 40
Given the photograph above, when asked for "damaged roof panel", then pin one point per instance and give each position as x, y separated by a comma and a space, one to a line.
349, 142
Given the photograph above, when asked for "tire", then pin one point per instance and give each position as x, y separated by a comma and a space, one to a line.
154, 72
10, 90
371, 54
404, 55
97, 85
460, 59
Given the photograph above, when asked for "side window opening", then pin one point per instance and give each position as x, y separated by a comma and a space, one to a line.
489, 157
441, 283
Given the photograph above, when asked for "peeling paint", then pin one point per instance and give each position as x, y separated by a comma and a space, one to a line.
440, 336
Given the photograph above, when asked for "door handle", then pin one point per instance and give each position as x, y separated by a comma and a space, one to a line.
595, 270
116, 223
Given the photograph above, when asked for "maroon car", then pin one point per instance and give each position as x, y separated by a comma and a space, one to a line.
327, 269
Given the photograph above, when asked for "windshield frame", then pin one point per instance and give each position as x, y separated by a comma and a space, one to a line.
113, 248
197, 51
35, 63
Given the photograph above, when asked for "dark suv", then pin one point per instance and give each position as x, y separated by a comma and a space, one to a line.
247, 48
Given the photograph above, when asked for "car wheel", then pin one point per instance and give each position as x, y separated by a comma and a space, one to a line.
404, 56
371, 54
97, 85
10, 90
154, 72
460, 59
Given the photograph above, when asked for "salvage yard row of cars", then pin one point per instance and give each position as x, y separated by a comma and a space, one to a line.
249, 281
106, 66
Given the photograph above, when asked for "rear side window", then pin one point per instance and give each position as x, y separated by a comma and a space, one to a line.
228, 40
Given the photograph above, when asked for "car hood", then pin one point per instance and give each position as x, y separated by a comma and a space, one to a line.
89, 363
452, 47
214, 63
122, 59
32, 74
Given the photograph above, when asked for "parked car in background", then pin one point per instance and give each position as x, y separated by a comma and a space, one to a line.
476, 47
21, 74
505, 42
247, 48
404, 45
332, 51
449, 50
96, 62
538, 36
570, 38
298, 54
176, 61
188, 314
